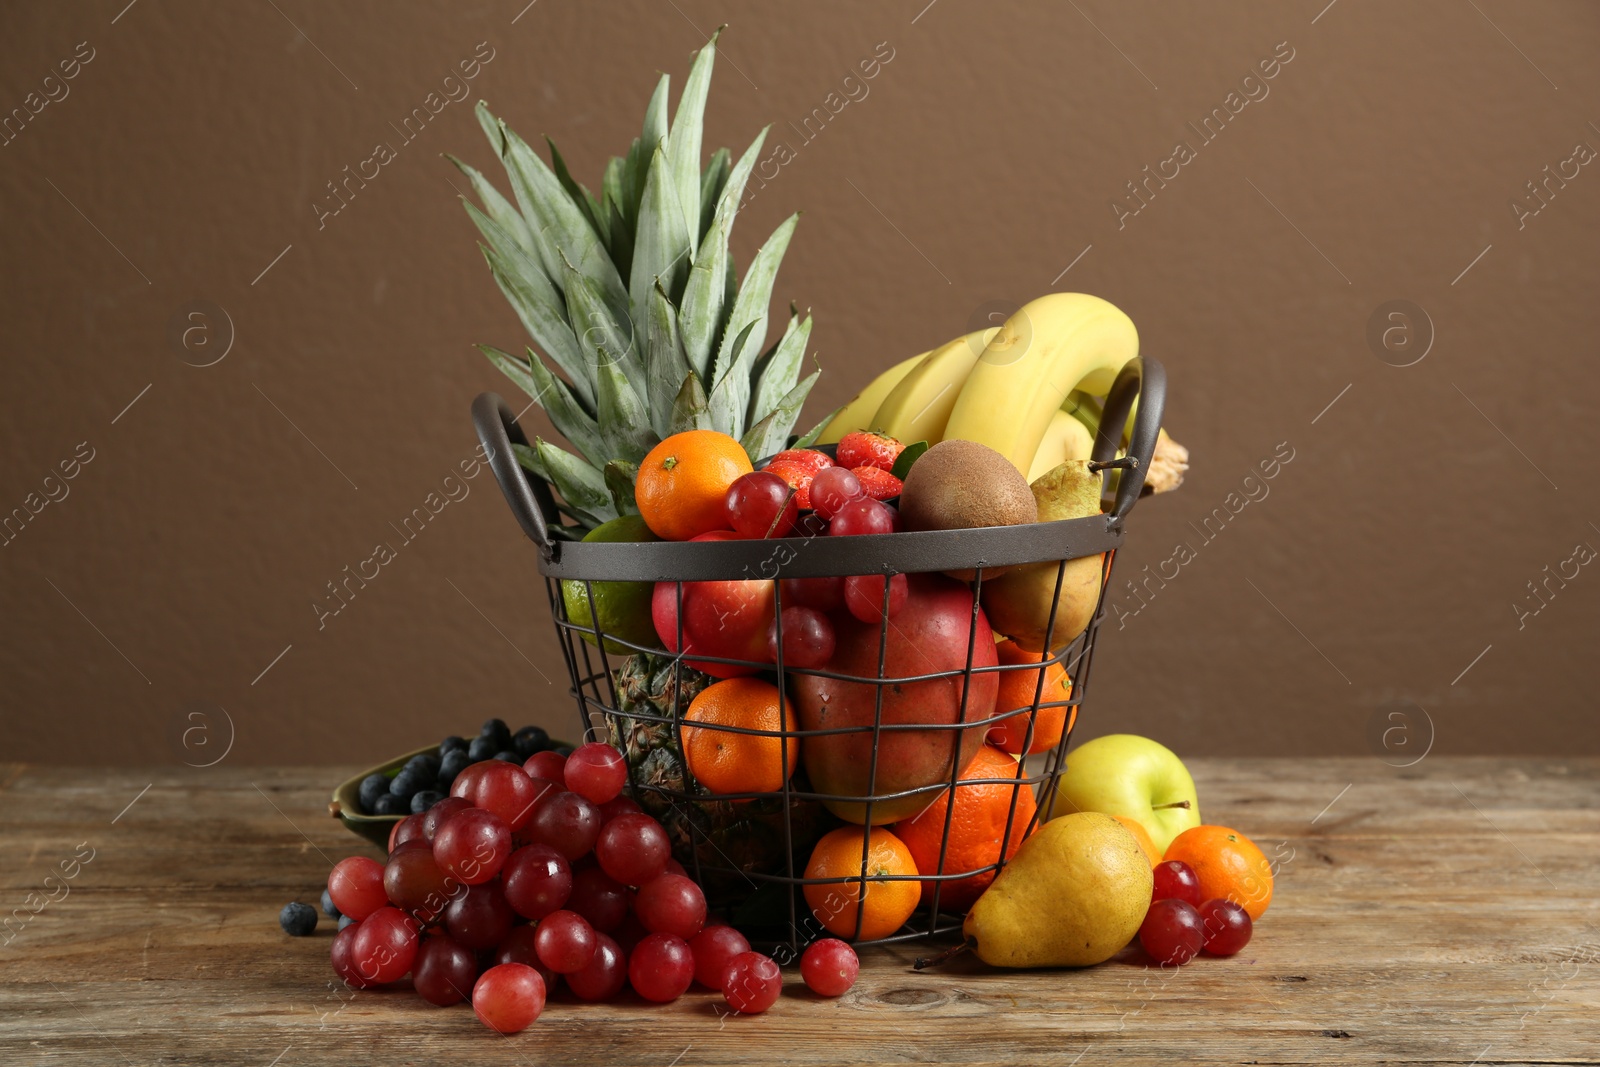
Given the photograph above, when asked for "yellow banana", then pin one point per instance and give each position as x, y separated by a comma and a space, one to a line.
1065, 438
858, 414
1048, 348
919, 406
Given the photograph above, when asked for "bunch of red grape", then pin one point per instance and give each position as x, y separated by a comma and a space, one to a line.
528, 876
1179, 926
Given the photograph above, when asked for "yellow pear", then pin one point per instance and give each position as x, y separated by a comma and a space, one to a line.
1018, 603
1073, 896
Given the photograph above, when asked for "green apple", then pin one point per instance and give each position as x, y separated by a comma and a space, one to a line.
1123, 774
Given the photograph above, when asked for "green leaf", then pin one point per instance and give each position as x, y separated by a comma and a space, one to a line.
772, 432
624, 420
655, 119
665, 363
537, 303
498, 207
619, 479
750, 312
661, 242
809, 438
703, 311
690, 410
729, 397
711, 186
602, 338
619, 224
908, 455
567, 415
583, 492
684, 144
779, 372
580, 195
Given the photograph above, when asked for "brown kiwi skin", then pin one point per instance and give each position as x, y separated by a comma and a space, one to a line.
962, 485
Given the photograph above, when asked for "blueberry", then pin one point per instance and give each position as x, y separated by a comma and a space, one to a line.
297, 919
451, 742
373, 786
329, 907
424, 799
509, 756
345, 920
407, 782
454, 762
530, 739
563, 751
482, 748
389, 804
497, 729
426, 764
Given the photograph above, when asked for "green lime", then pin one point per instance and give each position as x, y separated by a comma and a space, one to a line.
624, 606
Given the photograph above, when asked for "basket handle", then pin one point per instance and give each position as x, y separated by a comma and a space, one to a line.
529, 498
1144, 380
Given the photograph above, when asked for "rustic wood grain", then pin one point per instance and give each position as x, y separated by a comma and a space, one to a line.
1441, 914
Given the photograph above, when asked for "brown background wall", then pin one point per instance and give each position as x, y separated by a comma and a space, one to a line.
1387, 556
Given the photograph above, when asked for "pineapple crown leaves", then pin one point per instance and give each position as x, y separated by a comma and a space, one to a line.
641, 326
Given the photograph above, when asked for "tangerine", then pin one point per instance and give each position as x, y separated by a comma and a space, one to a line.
1141, 835
682, 485
977, 829
725, 761
884, 906
1228, 864
1017, 689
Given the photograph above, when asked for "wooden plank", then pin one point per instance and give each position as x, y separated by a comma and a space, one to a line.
1442, 914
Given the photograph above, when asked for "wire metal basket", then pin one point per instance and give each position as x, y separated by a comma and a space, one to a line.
749, 850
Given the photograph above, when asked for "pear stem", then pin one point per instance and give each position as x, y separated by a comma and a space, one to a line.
1176, 804
946, 955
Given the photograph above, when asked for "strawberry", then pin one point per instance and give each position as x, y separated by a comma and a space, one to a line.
865, 449
798, 477
876, 483
809, 458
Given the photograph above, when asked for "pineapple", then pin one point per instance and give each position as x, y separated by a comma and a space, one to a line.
634, 299
717, 838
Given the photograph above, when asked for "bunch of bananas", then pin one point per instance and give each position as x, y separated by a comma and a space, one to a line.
1026, 389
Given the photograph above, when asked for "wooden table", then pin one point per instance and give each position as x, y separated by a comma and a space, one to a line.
1444, 913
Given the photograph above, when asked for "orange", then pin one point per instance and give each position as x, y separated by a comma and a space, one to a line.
682, 485
728, 762
884, 906
977, 828
1141, 835
1229, 865
1017, 689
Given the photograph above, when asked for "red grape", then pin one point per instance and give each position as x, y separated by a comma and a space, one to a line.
808, 639
632, 849
472, 845
417, 884
596, 772
343, 962
500, 787
864, 516
824, 594
356, 886
407, 829
863, 595
546, 764
565, 941
829, 967
671, 904
518, 947
761, 505
674, 867
630, 932
661, 967
435, 816
1171, 932
466, 782
714, 947
832, 489
480, 918
1176, 880
444, 971
751, 983
537, 880
384, 946
508, 997
567, 823
599, 898
1226, 925
605, 975
618, 805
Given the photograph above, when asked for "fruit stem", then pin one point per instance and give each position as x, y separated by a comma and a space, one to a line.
948, 954
1174, 804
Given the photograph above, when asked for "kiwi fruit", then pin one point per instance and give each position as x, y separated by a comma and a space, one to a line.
962, 485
